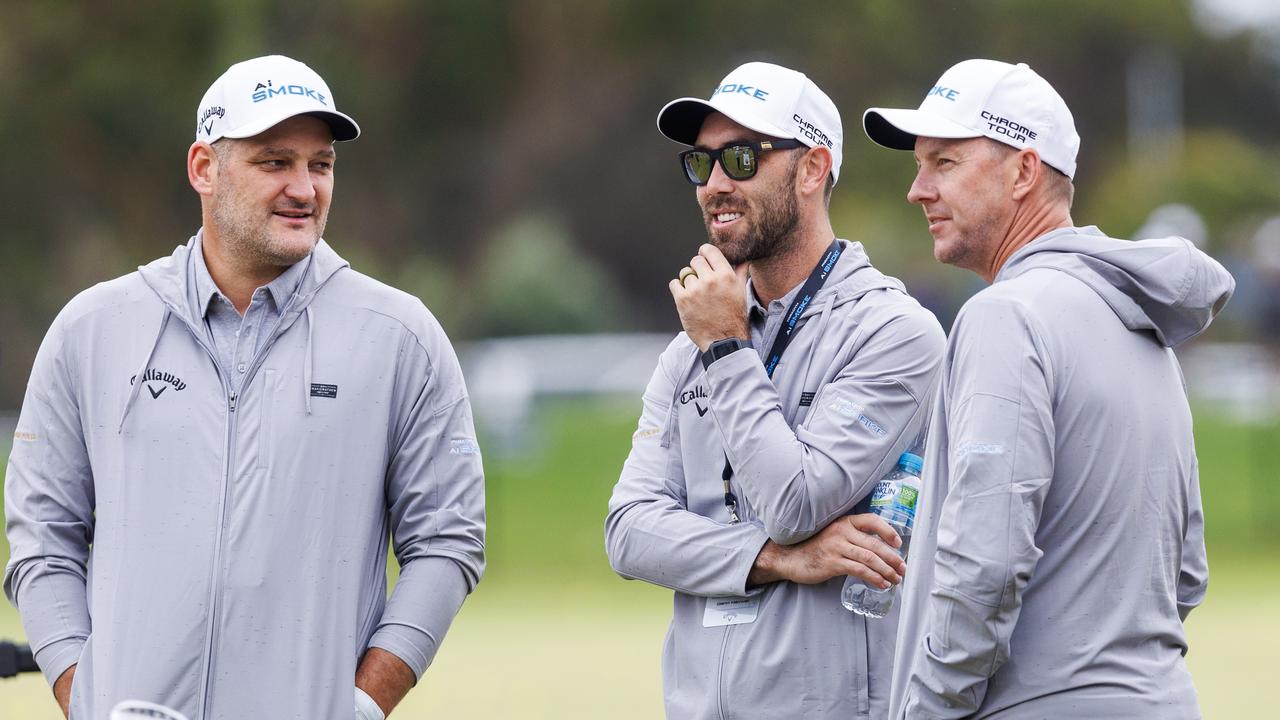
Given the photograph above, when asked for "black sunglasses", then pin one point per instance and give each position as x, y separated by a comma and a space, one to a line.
738, 160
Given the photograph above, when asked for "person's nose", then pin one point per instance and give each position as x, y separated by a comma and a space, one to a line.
301, 186
922, 189
719, 182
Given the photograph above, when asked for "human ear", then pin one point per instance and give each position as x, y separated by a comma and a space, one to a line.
1029, 173
817, 166
202, 166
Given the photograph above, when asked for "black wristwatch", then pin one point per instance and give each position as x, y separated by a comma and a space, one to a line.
720, 348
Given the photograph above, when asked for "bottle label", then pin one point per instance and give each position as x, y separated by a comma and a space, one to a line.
882, 496
907, 497
893, 497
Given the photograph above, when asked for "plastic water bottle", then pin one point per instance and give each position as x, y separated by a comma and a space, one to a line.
894, 499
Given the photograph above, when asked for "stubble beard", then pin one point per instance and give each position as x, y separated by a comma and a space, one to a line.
772, 228
971, 249
249, 240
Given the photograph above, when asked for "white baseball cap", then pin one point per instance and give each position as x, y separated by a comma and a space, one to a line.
985, 98
767, 98
254, 95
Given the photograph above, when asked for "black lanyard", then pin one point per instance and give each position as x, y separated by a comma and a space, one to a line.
781, 341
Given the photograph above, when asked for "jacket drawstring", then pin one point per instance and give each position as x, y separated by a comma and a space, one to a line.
306, 360
136, 380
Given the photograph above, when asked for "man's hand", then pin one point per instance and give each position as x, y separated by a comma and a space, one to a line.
385, 678
710, 297
858, 545
62, 690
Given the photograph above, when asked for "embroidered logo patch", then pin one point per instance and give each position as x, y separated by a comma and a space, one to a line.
157, 381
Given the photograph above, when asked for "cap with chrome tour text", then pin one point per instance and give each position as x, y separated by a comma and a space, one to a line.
768, 99
254, 95
985, 98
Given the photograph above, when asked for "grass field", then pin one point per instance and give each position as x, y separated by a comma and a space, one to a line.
553, 633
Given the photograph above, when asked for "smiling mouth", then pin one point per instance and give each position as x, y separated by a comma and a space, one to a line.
721, 219
293, 215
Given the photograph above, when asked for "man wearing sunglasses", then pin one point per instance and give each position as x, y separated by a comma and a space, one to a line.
1059, 541
803, 373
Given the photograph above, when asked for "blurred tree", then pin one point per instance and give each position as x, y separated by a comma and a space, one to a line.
481, 114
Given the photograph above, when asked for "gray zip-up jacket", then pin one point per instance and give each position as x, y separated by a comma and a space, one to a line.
239, 541
1061, 502
851, 394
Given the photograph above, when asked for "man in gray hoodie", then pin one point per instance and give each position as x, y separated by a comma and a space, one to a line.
1059, 540
786, 398
213, 451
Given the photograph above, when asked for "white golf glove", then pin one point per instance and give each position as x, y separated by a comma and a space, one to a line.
366, 708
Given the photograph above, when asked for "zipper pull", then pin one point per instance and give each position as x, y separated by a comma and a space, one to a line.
231, 401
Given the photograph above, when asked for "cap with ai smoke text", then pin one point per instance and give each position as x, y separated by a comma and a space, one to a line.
254, 95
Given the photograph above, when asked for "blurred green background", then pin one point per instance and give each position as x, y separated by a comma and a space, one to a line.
510, 174
552, 633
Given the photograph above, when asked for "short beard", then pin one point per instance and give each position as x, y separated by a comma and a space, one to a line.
248, 238
773, 228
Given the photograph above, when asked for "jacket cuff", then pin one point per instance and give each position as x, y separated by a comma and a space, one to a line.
734, 363
426, 598
56, 657
414, 646
751, 550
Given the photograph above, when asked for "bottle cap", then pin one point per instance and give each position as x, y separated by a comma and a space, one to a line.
910, 462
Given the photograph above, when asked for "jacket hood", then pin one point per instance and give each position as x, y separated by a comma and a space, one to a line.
1165, 285
170, 279
851, 278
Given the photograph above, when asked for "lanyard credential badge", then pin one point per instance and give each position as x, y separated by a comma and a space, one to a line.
786, 333
729, 610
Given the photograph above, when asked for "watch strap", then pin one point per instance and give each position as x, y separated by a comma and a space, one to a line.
720, 348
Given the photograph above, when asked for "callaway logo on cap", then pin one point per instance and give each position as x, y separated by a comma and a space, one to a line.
767, 98
985, 98
254, 95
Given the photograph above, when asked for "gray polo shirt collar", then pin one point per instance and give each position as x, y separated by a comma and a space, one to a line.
206, 290
758, 312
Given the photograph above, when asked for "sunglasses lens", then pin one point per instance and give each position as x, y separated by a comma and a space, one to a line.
739, 162
697, 165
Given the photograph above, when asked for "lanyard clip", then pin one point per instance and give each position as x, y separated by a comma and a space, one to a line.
731, 503
730, 500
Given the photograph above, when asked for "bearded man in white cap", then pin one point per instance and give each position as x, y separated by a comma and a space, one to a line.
214, 449
1059, 537
802, 375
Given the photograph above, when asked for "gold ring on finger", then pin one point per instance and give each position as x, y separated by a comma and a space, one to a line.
685, 273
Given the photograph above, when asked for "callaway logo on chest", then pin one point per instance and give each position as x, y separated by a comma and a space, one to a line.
698, 396
157, 381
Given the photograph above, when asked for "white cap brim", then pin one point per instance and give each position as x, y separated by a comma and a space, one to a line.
898, 128
681, 120
341, 125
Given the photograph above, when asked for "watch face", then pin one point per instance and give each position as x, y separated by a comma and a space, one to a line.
720, 348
